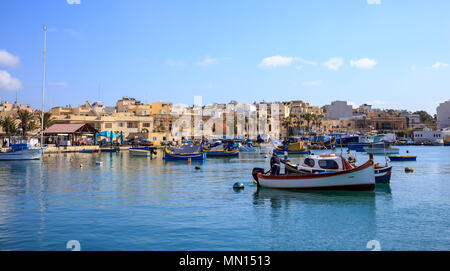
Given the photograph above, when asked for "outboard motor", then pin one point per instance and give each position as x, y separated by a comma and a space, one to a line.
255, 172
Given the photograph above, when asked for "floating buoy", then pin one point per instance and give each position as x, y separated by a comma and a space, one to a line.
98, 163
265, 156
197, 167
238, 185
408, 169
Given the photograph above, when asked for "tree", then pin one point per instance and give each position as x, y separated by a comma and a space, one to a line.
27, 121
425, 117
9, 125
48, 120
308, 118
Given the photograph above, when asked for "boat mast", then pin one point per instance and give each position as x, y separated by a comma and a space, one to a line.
43, 87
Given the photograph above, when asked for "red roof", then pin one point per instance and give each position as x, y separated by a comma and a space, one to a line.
65, 128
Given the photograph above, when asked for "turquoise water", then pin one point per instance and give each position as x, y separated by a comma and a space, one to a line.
135, 203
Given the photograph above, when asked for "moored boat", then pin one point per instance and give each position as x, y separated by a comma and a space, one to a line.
402, 158
141, 152
220, 151
22, 152
359, 178
332, 163
298, 147
184, 153
381, 149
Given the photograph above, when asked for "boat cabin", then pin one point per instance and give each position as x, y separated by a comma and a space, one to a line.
324, 163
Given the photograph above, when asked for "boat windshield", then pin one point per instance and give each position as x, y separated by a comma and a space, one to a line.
328, 164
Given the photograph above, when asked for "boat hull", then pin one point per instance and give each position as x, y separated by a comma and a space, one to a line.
27, 154
140, 152
361, 178
402, 158
382, 151
382, 174
222, 153
196, 156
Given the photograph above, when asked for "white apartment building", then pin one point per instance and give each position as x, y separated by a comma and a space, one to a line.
443, 115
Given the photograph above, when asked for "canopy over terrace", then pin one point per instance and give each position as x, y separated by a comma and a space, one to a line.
68, 133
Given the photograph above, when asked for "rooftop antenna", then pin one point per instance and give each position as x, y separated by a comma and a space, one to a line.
43, 88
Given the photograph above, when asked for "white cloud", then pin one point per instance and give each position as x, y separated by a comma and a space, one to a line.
334, 63
438, 65
73, 2
304, 61
8, 59
280, 61
207, 61
299, 68
173, 63
276, 61
9, 83
374, 2
363, 63
311, 83
58, 84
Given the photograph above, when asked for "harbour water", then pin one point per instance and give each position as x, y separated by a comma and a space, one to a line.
138, 203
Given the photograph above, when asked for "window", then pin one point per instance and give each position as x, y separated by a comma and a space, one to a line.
154, 138
108, 125
309, 162
129, 125
120, 124
328, 164
146, 124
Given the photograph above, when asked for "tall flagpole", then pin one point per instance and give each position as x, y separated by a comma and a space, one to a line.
43, 87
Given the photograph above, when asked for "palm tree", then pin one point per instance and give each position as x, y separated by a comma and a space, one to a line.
308, 118
9, 125
48, 120
26, 118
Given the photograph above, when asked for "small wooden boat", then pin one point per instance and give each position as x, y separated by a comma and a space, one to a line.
333, 163
402, 158
360, 178
220, 151
292, 148
184, 153
145, 142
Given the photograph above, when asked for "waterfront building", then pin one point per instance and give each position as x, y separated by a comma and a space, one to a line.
70, 134
443, 115
428, 135
338, 110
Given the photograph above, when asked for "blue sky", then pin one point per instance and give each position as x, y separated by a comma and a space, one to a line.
391, 53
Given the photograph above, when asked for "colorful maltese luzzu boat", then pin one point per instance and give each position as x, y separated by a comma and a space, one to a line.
293, 148
359, 178
220, 151
333, 163
184, 153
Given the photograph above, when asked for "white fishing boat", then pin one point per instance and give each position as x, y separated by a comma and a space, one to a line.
351, 178
381, 149
333, 163
22, 152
